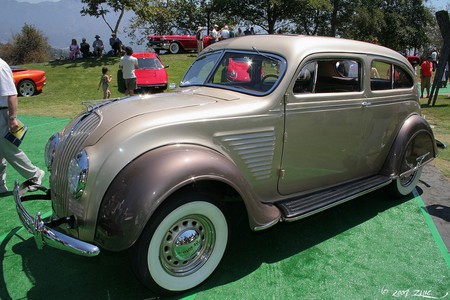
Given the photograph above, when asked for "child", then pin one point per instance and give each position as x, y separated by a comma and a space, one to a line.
104, 82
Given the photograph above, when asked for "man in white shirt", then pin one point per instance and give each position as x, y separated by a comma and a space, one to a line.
9, 153
128, 64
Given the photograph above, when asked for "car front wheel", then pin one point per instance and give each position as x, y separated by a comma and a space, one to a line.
174, 48
182, 244
27, 88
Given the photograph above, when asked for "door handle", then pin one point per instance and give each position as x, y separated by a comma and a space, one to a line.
365, 104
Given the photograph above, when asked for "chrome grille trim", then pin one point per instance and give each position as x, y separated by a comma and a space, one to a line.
256, 150
70, 144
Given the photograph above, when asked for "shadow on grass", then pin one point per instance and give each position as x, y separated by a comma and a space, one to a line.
86, 63
56, 274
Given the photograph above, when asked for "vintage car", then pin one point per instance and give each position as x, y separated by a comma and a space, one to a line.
155, 174
152, 75
181, 40
28, 82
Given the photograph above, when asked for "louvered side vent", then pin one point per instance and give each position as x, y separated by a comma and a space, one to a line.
256, 150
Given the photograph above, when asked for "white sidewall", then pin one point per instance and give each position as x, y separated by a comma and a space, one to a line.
173, 283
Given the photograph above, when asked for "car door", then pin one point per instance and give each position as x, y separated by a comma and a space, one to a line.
324, 125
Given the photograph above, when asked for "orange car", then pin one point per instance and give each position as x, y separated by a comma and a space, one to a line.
28, 82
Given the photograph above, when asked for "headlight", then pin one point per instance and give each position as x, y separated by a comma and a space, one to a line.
77, 174
50, 149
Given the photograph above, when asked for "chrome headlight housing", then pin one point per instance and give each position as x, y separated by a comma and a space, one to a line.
50, 149
77, 174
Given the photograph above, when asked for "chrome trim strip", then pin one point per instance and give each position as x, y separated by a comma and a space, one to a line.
44, 235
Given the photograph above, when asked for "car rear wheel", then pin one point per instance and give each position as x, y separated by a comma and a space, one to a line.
174, 48
405, 185
27, 88
182, 244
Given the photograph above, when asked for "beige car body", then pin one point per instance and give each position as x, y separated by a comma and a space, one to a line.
286, 154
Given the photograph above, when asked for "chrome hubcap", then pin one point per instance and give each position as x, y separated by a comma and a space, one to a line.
187, 245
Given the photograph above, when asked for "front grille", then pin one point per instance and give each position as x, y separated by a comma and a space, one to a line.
70, 144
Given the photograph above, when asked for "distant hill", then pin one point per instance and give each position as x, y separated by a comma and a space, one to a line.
59, 21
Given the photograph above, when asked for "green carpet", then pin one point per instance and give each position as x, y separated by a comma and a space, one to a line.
369, 248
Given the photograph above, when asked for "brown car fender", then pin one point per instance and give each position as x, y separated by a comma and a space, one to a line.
415, 133
139, 189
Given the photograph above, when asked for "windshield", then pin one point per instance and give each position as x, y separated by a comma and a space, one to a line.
149, 63
247, 72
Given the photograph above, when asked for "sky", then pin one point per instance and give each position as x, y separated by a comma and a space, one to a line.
437, 4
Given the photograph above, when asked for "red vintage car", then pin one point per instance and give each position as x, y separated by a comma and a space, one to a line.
28, 82
181, 40
152, 75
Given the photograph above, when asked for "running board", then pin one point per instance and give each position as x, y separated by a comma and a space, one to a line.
301, 207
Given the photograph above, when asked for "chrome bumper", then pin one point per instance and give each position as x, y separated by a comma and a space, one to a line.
44, 235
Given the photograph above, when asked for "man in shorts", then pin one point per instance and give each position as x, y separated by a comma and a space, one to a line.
128, 64
426, 71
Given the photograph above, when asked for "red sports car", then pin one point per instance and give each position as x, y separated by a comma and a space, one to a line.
182, 40
151, 75
28, 82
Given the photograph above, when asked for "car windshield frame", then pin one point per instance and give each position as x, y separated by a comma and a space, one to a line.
250, 72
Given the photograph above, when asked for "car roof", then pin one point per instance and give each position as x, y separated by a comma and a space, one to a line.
144, 55
294, 46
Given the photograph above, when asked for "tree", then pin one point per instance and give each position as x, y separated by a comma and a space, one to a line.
29, 46
99, 8
161, 17
397, 24
270, 15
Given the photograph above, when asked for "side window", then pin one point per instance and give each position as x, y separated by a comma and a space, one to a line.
386, 76
329, 76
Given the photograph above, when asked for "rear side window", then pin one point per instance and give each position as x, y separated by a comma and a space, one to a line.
329, 76
387, 76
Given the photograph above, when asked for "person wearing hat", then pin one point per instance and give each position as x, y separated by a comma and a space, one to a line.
84, 48
199, 38
214, 34
98, 46
426, 71
225, 33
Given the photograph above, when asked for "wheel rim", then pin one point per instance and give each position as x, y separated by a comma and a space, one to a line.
174, 48
26, 89
408, 179
187, 245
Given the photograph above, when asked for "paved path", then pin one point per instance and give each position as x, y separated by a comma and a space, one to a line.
435, 192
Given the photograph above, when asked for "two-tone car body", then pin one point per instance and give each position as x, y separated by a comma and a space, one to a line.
312, 123
181, 41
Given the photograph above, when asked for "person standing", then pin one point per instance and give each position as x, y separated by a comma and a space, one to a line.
214, 35
9, 153
426, 71
225, 33
199, 38
434, 58
128, 64
105, 79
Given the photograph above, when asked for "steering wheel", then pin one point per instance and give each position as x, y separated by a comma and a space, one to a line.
268, 76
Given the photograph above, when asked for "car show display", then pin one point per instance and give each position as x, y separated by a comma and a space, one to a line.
288, 125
